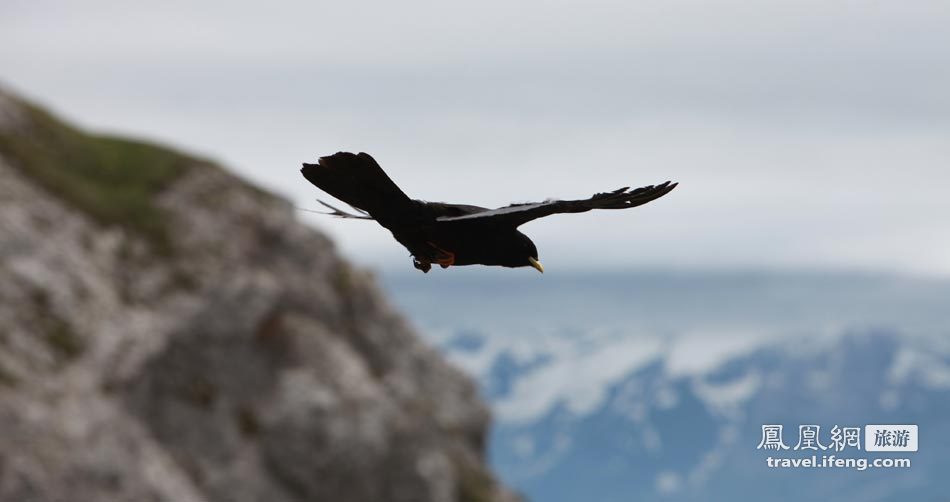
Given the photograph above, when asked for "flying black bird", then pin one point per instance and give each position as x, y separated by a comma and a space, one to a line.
451, 234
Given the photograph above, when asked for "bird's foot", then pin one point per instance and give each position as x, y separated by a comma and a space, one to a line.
424, 266
444, 258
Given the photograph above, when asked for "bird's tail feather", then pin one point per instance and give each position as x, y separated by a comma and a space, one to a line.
359, 181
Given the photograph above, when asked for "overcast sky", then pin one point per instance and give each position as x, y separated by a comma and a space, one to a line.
804, 133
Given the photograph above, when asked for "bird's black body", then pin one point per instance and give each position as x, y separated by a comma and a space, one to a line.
451, 234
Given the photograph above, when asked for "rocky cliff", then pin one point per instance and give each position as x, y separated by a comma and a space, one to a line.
170, 333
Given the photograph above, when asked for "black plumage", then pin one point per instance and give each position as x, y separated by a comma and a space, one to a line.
451, 234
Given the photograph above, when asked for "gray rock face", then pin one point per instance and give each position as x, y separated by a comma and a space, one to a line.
249, 363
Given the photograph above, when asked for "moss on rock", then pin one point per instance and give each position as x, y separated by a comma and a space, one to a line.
113, 180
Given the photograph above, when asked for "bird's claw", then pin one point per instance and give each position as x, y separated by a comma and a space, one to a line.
424, 266
444, 258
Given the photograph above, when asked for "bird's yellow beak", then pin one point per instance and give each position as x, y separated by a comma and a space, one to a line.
536, 264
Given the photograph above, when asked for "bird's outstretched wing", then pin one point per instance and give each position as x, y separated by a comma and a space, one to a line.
519, 214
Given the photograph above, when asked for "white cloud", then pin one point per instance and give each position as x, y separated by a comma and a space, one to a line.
697, 353
581, 370
577, 376
668, 482
727, 398
931, 369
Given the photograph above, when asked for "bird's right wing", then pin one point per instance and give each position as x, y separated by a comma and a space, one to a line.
519, 214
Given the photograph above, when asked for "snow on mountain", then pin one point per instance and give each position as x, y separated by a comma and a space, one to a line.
655, 387
591, 421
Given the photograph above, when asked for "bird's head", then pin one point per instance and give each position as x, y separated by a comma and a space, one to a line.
523, 253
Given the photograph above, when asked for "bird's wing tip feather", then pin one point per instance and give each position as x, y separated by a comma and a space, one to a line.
334, 211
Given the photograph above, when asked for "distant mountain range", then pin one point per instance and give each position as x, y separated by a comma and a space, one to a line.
660, 391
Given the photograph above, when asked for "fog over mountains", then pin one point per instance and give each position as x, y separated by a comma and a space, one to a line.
655, 386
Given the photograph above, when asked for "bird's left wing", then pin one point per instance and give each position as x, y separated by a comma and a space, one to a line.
519, 214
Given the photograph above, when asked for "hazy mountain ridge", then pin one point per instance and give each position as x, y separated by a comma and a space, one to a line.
654, 385
657, 434
169, 332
